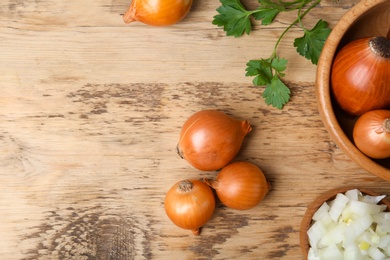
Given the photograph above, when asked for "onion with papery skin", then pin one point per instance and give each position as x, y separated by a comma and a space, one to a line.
371, 134
189, 204
210, 139
240, 185
360, 77
157, 12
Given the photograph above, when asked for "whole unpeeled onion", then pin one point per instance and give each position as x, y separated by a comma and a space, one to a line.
371, 134
360, 77
240, 185
157, 12
210, 139
189, 204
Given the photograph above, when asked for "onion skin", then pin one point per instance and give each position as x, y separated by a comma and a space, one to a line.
360, 76
157, 12
210, 139
371, 134
240, 185
190, 204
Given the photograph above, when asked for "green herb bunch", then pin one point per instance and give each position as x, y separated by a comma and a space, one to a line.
236, 20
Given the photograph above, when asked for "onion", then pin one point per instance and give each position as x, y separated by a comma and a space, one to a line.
157, 12
371, 134
189, 204
240, 185
360, 76
361, 229
210, 139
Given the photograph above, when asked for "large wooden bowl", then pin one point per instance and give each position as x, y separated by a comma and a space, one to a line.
313, 207
367, 18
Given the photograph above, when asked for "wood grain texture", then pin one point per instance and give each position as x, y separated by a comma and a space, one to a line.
90, 114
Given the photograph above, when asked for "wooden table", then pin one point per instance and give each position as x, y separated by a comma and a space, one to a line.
90, 114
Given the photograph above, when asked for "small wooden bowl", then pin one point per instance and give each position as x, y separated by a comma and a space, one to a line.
366, 19
313, 207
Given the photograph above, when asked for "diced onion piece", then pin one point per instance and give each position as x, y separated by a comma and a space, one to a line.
353, 194
332, 252
383, 220
362, 208
384, 242
355, 229
387, 250
322, 215
312, 255
321, 212
352, 253
373, 199
315, 232
334, 235
365, 239
376, 254
347, 214
337, 206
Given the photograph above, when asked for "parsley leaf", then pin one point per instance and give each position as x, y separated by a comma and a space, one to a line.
312, 42
261, 70
267, 11
266, 15
267, 72
279, 65
276, 93
234, 18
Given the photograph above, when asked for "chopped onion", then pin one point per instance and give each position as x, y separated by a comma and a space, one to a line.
321, 212
352, 253
332, 252
353, 194
373, 199
352, 226
337, 206
375, 253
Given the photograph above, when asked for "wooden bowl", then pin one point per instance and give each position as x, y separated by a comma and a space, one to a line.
313, 207
366, 19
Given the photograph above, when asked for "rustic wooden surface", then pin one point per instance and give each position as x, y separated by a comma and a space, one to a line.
90, 114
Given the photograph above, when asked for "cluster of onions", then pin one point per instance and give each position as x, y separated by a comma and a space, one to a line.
360, 82
157, 12
210, 140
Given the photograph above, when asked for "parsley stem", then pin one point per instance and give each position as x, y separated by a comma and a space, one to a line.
298, 20
287, 3
300, 16
280, 39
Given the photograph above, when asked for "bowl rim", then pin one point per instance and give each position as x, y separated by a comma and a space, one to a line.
323, 94
318, 201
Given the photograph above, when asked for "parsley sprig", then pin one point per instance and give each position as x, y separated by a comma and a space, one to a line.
236, 21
